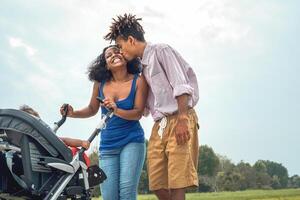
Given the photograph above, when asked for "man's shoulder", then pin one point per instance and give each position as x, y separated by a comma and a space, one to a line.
160, 46
157, 51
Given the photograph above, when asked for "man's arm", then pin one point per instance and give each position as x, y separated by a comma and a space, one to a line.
181, 130
174, 68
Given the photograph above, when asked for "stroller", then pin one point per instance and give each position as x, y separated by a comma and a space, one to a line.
36, 164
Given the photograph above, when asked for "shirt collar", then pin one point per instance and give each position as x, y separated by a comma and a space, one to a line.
145, 58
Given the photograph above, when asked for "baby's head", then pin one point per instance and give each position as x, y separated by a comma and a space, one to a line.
29, 110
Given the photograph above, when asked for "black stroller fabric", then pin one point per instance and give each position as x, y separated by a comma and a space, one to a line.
15, 122
27, 146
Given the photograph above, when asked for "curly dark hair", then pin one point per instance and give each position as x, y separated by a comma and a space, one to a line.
124, 26
97, 70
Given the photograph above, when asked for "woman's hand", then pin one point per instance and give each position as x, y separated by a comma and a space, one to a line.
70, 111
85, 144
109, 103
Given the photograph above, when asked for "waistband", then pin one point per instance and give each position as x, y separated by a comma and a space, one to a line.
175, 114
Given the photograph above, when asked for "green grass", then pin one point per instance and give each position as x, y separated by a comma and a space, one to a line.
288, 194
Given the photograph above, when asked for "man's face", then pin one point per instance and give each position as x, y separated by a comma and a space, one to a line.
127, 47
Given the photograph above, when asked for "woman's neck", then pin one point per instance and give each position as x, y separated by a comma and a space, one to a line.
120, 75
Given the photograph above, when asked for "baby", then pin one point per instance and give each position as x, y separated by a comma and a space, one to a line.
68, 141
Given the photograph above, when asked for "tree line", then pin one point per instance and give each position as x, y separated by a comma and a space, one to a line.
218, 173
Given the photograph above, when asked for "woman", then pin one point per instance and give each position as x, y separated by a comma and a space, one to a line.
122, 147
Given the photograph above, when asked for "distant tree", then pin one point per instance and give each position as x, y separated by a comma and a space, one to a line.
263, 179
278, 171
294, 182
208, 161
248, 178
260, 166
275, 171
228, 177
94, 158
144, 181
225, 164
275, 182
207, 184
207, 169
229, 181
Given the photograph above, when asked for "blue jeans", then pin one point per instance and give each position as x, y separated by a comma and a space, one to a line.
123, 169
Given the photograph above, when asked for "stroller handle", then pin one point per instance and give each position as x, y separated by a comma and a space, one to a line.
98, 129
63, 119
100, 126
101, 101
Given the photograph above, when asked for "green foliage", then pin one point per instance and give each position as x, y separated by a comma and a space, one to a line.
144, 181
290, 194
225, 164
245, 195
229, 181
94, 158
277, 172
248, 179
218, 173
294, 182
208, 161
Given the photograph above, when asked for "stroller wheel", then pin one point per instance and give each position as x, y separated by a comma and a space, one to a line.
81, 198
85, 196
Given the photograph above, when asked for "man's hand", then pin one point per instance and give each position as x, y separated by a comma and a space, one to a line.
181, 129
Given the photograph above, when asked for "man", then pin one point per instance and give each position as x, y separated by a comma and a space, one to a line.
173, 145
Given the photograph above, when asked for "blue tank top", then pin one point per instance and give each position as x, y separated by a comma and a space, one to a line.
118, 131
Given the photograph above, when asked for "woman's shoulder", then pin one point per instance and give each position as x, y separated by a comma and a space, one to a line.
96, 84
141, 80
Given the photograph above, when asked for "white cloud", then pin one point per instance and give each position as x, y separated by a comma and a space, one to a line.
207, 22
39, 77
17, 42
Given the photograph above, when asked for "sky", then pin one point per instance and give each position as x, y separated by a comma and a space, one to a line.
245, 55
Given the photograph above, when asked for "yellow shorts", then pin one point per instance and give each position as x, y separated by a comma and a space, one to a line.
173, 166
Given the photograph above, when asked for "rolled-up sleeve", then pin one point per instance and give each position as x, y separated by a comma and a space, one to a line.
175, 69
182, 89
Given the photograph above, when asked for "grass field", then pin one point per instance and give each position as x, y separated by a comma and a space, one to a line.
289, 194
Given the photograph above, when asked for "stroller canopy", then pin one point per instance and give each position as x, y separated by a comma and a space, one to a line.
15, 123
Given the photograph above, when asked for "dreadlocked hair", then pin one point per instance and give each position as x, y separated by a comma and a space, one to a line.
97, 70
125, 26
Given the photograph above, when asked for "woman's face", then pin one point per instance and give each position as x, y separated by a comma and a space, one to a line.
114, 58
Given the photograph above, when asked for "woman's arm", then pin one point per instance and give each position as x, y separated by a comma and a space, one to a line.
139, 103
88, 111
